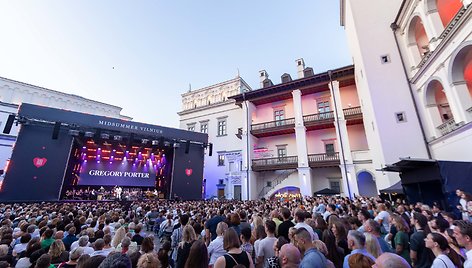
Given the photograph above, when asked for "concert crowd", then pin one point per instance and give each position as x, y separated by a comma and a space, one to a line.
328, 231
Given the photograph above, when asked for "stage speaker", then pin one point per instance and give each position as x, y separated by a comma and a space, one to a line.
55, 131
9, 124
187, 147
210, 149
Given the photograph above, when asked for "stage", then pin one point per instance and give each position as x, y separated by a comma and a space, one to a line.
59, 151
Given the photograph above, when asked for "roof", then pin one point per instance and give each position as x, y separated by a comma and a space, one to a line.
308, 85
406, 164
397, 188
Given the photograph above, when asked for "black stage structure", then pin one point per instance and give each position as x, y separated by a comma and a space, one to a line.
433, 181
59, 151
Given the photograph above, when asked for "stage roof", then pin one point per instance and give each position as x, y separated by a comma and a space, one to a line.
40, 114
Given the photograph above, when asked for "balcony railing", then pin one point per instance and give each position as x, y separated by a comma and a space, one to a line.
352, 111
275, 163
318, 117
277, 127
323, 160
448, 126
273, 124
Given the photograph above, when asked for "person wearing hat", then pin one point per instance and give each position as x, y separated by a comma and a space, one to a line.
73, 257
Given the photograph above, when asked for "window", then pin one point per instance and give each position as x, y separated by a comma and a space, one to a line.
191, 127
329, 148
204, 127
323, 106
279, 115
221, 160
222, 127
231, 167
335, 185
401, 117
281, 152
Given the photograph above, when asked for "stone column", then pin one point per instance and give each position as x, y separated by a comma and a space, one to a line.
248, 178
304, 173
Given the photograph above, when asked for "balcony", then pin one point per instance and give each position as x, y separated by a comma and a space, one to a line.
278, 127
319, 121
323, 160
449, 126
353, 115
275, 163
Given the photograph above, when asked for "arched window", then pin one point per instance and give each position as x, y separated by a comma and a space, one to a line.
461, 71
447, 9
437, 102
418, 41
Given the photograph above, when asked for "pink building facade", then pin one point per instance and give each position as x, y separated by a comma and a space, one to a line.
307, 133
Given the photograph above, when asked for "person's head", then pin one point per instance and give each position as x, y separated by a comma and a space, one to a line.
359, 260
302, 240
147, 245
436, 241
372, 245
246, 234
221, 228
285, 213
463, 233
148, 260
99, 244
234, 219
400, 223
44, 261
25, 238
56, 248
188, 234
300, 215
76, 253
82, 261
338, 229
270, 227
401, 209
289, 256
59, 235
184, 218
420, 221
363, 215
390, 260
278, 244
198, 255
230, 240
48, 233
291, 233
107, 239
260, 232
116, 260
355, 239
83, 241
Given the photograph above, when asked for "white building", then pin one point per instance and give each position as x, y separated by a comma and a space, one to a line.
209, 110
13, 93
414, 57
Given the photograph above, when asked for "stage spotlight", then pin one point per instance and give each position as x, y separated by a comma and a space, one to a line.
144, 141
155, 142
166, 143
117, 138
176, 145
104, 136
74, 132
89, 134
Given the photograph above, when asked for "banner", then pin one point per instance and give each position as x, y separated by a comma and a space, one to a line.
119, 173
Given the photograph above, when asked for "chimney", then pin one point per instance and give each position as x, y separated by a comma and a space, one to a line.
263, 75
300, 67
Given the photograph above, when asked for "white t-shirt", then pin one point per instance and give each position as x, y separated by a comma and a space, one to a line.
442, 261
266, 248
383, 215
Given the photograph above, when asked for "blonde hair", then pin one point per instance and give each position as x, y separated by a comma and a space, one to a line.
221, 228
321, 247
148, 260
119, 235
188, 235
56, 248
372, 245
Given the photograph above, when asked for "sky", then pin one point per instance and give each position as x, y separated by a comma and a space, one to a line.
142, 55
